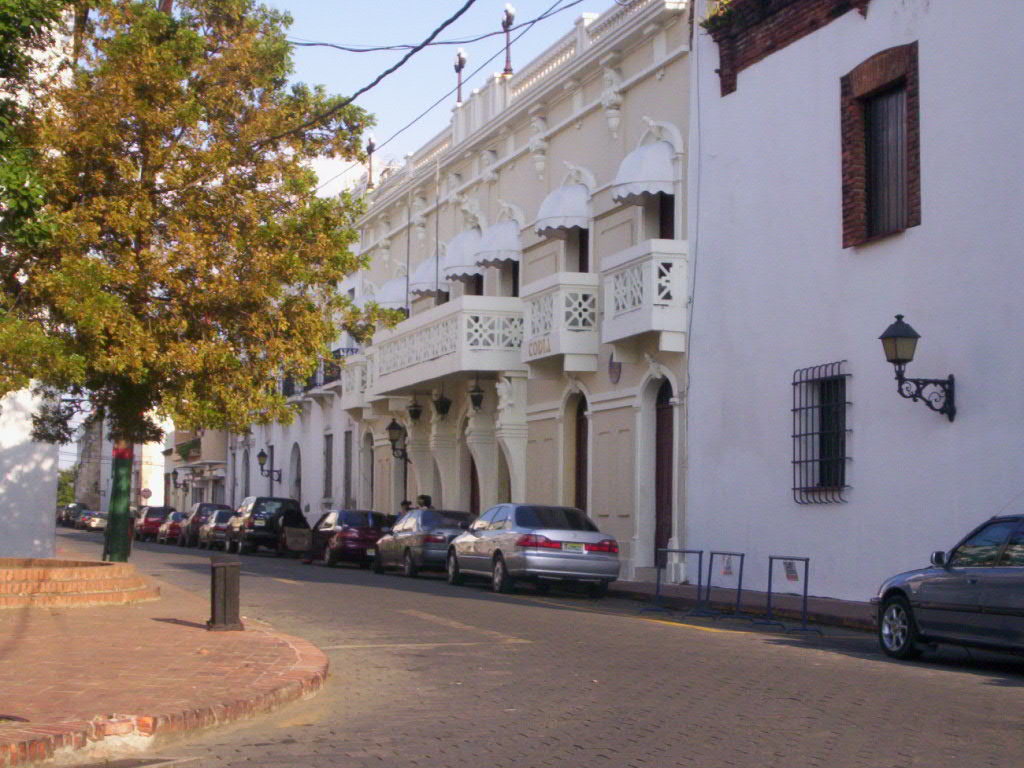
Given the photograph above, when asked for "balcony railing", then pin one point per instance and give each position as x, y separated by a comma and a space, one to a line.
471, 333
561, 319
353, 382
645, 290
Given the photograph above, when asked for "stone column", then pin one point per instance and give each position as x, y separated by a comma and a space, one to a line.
511, 430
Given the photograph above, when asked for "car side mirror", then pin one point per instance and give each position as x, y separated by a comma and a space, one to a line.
939, 559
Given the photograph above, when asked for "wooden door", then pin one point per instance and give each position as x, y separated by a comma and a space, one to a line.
582, 442
664, 439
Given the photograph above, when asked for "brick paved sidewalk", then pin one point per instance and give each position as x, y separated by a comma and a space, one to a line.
109, 678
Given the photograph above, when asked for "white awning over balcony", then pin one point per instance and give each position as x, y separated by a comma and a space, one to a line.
392, 294
499, 244
426, 279
564, 208
646, 171
460, 256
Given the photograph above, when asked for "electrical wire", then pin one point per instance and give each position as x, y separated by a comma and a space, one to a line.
528, 26
406, 46
345, 102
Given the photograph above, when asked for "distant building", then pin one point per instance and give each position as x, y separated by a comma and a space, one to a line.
194, 468
93, 481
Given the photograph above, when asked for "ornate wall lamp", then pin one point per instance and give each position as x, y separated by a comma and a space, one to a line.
476, 395
899, 342
415, 409
183, 485
442, 404
507, 19
395, 434
261, 459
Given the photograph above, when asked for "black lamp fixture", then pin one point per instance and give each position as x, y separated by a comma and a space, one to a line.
395, 434
261, 459
899, 342
460, 64
415, 409
507, 19
174, 480
476, 395
442, 404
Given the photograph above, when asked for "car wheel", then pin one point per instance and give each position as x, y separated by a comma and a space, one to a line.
244, 549
378, 563
897, 631
454, 576
597, 591
409, 565
501, 582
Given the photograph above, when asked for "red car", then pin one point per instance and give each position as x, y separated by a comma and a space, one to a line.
148, 523
348, 535
170, 529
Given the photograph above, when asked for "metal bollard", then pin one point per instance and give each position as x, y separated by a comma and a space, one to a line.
225, 577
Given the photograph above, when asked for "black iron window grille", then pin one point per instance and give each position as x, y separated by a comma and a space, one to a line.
820, 434
288, 386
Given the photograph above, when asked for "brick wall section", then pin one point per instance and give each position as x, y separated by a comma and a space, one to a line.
883, 70
755, 29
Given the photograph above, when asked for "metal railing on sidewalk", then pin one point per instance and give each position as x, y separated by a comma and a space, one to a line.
769, 617
661, 560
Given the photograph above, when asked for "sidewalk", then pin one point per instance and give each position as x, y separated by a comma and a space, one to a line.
110, 678
820, 610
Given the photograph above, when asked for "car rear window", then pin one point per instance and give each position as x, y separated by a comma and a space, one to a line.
177, 517
156, 514
360, 519
433, 518
559, 518
270, 507
222, 516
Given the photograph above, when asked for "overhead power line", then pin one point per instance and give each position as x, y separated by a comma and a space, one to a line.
527, 27
345, 102
406, 46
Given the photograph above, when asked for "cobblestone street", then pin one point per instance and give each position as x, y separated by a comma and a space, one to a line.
424, 674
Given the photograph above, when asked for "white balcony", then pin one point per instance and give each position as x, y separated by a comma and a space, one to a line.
561, 319
354, 381
468, 334
645, 290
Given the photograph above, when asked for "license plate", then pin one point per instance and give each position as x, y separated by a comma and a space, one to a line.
371, 552
259, 523
571, 546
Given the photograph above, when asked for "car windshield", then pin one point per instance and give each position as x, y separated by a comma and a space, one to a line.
559, 518
433, 518
222, 516
156, 514
360, 519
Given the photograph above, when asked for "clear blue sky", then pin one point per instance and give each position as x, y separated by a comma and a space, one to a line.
429, 74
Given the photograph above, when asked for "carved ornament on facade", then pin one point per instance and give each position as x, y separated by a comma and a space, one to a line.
611, 98
488, 161
538, 143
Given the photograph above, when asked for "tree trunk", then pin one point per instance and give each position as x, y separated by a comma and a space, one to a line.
118, 543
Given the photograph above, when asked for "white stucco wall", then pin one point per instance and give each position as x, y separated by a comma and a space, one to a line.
28, 490
775, 292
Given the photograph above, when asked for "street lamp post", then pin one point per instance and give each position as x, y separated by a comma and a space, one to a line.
273, 474
460, 64
507, 20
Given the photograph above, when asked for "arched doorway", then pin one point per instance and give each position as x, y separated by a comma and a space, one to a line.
438, 498
245, 473
504, 478
576, 454
366, 472
295, 474
664, 445
474, 487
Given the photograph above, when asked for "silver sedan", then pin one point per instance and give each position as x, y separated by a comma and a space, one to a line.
541, 544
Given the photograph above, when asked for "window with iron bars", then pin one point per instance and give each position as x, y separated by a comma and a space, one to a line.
820, 434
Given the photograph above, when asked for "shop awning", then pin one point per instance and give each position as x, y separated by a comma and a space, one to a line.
426, 279
645, 171
460, 256
563, 209
499, 244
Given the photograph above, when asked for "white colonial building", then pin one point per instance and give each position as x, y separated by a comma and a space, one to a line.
850, 161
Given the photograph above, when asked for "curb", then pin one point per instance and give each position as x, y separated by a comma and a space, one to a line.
677, 602
35, 743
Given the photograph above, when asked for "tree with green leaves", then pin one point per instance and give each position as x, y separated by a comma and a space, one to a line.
66, 485
187, 263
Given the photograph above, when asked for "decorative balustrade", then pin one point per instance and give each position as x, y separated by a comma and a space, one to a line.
471, 333
562, 319
645, 290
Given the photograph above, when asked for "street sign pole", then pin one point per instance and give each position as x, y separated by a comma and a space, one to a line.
117, 544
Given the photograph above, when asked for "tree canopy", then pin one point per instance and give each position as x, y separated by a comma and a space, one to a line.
183, 262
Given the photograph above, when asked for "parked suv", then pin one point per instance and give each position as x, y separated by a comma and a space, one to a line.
188, 536
348, 535
148, 523
529, 542
972, 595
260, 522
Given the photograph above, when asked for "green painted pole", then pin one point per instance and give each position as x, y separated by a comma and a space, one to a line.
117, 545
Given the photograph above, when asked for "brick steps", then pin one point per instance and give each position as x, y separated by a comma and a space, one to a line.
43, 582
